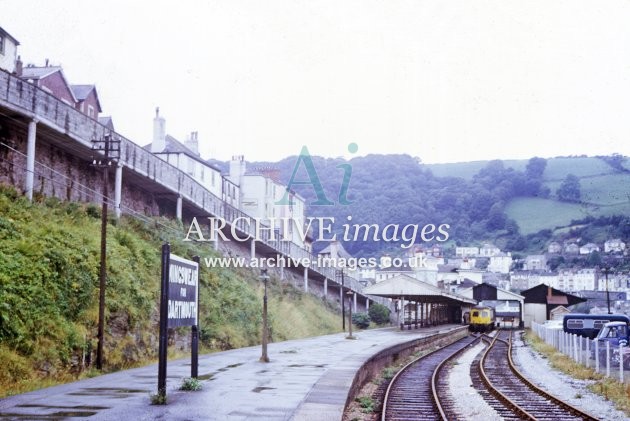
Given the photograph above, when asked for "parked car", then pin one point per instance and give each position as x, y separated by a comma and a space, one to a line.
589, 325
614, 332
617, 334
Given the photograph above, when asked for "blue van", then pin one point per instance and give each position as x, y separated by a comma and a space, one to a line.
589, 325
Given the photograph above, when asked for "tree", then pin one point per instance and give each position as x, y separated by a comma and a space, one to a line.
594, 259
535, 167
569, 190
361, 320
379, 314
496, 217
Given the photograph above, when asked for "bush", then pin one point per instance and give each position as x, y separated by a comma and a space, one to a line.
379, 314
191, 384
361, 320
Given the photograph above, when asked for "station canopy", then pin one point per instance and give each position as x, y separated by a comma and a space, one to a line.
404, 286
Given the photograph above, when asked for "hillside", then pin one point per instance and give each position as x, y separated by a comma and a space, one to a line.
498, 201
49, 262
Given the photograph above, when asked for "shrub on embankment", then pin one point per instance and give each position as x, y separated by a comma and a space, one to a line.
49, 265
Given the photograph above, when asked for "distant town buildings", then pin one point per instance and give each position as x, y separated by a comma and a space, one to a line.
614, 246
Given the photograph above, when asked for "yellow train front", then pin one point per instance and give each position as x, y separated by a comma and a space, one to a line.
481, 319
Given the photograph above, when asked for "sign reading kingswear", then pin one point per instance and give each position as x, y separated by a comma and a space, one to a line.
183, 292
179, 306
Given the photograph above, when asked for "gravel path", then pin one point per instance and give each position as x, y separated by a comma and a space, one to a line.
537, 369
468, 403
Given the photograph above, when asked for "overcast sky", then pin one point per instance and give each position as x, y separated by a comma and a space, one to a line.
446, 81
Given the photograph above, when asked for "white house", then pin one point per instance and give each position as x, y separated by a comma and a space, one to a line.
614, 246
8, 52
526, 279
489, 250
185, 156
261, 196
500, 263
589, 248
571, 248
576, 280
466, 251
535, 262
554, 248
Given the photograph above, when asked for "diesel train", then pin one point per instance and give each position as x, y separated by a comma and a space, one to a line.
482, 319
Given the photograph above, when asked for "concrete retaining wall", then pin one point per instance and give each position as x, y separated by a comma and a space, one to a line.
373, 366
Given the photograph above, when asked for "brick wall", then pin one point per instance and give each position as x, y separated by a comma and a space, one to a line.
61, 174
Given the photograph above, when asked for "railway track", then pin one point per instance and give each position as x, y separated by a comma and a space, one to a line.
515, 392
416, 391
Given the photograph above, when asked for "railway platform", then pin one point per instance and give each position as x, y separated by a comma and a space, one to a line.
307, 379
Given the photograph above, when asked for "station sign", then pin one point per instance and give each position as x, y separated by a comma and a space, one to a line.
183, 292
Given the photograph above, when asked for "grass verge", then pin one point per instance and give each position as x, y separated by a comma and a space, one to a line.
610, 389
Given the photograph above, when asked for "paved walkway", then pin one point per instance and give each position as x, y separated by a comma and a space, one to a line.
307, 379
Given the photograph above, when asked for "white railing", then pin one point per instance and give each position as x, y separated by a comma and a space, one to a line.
612, 361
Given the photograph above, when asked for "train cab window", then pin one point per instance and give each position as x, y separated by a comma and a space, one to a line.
575, 324
484, 314
475, 314
598, 324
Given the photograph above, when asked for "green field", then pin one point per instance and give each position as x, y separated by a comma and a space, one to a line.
534, 214
557, 168
467, 170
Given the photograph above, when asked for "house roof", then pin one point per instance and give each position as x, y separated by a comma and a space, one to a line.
174, 146
35, 73
338, 248
486, 291
447, 268
8, 35
38, 73
541, 292
557, 299
405, 286
106, 121
81, 92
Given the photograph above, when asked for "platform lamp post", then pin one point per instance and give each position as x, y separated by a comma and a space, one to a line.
264, 358
343, 304
350, 295
606, 272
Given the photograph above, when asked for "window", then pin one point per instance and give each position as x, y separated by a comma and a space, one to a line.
90, 112
2, 44
575, 324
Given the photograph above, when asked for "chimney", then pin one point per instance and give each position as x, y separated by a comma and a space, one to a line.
159, 133
237, 169
549, 294
18, 66
46, 63
192, 143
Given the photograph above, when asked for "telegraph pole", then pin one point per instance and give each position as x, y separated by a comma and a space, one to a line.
105, 146
606, 271
343, 304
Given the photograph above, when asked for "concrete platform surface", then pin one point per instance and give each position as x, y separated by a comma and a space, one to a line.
307, 379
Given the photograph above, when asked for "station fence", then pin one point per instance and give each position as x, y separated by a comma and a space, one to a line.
604, 358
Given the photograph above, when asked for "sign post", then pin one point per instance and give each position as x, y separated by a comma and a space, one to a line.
179, 306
